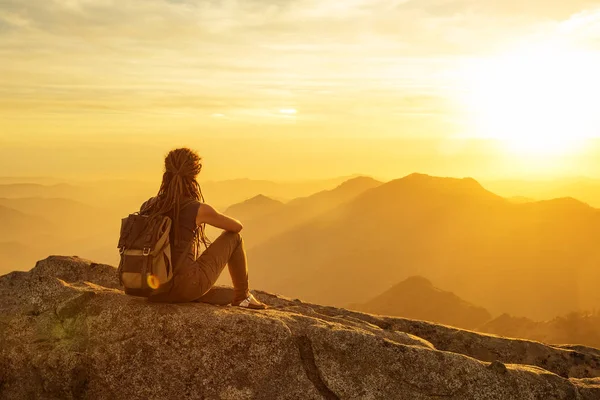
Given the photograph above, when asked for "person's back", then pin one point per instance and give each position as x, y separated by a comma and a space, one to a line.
180, 198
185, 230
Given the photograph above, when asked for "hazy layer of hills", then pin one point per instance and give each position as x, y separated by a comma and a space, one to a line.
50, 225
417, 298
125, 194
576, 327
267, 221
534, 259
584, 189
20, 190
225, 193
44, 216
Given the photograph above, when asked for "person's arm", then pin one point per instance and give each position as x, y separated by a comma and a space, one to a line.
208, 215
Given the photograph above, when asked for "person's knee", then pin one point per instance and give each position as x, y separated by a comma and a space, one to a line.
233, 236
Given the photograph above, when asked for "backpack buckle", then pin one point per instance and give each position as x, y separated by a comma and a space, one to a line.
146, 251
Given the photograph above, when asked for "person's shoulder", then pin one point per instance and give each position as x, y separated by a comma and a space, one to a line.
188, 201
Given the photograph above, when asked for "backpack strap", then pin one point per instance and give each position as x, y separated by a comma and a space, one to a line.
176, 267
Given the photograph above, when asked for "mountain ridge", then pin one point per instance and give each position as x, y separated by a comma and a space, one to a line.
254, 207
301, 210
453, 231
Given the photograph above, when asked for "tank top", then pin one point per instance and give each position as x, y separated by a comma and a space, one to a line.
185, 228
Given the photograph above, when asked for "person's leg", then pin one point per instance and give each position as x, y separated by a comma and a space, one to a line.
228, 249
218, 295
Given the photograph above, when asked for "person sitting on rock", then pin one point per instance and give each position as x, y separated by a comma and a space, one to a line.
180, 198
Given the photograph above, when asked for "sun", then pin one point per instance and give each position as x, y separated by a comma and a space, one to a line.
539, 99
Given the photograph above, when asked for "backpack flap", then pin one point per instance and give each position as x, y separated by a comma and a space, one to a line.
162, 235
138, 231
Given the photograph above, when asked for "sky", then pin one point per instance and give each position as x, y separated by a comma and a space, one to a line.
292, 89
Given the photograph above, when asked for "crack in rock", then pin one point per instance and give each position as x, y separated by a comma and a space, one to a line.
60, 320
307, 356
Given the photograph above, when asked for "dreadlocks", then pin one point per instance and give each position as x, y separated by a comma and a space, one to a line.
182, 167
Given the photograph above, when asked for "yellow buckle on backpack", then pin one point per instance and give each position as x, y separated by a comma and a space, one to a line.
146, 251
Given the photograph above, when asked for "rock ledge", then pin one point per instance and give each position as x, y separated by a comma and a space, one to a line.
68, 332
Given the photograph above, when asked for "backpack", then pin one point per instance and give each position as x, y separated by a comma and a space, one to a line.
145, 249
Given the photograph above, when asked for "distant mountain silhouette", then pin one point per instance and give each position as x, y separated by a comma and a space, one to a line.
576, 327
83, 218
302, 210
534, 259
255, 207
43, 180
17, 190
350, 244
584, 189
346, 190
58, 210
417, 298
226, 193
114, 195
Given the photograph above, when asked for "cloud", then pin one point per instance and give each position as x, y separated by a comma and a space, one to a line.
330, 58
13, 20
583, 27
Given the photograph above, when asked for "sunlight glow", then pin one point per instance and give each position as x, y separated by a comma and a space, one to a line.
288, 111
538, 100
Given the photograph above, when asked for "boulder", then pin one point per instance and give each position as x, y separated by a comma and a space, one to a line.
68, 332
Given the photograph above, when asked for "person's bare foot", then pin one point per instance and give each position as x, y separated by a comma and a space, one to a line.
250, 302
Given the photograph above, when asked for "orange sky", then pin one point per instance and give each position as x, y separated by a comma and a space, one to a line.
300, 88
